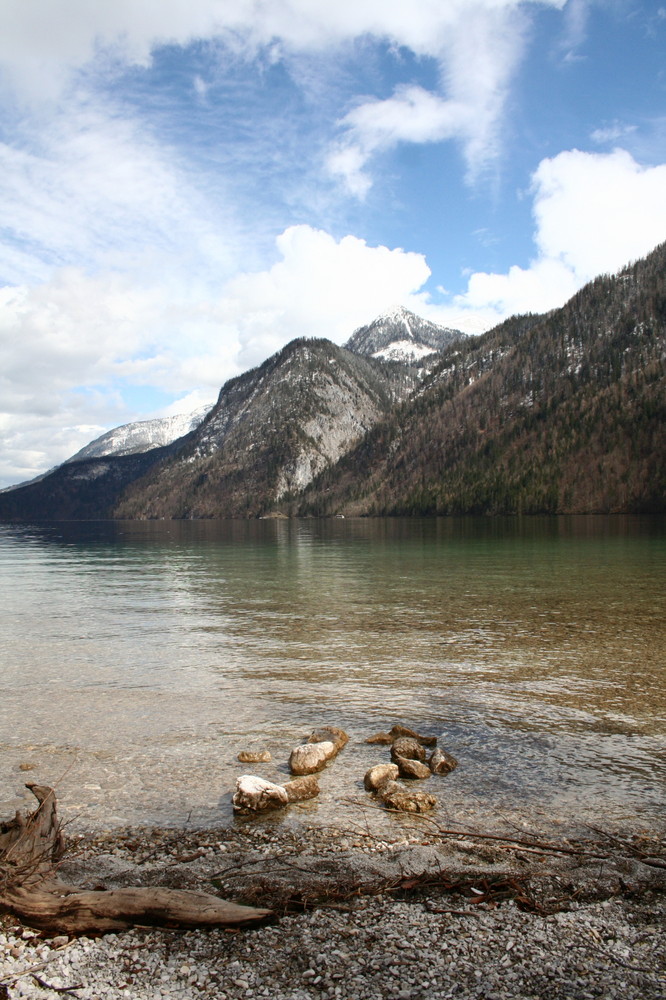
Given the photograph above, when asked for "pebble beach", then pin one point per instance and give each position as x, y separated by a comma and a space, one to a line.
418, 915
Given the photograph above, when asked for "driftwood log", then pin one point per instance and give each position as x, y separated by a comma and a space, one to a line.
30, 848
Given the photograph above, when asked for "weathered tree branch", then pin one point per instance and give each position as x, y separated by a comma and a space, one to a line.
30, 889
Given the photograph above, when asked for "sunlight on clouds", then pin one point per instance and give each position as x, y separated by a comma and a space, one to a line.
347, 162
611, 133
67, 349
477, 43
140, 222
545, 285
478, 55
411, 115
69, 331
40, 43
198, 399
594, 213
107, 331
320, 287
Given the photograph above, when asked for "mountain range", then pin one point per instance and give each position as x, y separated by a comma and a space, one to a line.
562, 412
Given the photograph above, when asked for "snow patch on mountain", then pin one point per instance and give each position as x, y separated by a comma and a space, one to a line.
404, 350
400, 335
144, 435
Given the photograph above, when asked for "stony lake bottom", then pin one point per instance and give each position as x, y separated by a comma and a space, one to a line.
138, 658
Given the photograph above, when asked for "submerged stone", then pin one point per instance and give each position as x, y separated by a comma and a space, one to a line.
254, 756
300, 789
412, 768
332, 734
396, 732
396, 796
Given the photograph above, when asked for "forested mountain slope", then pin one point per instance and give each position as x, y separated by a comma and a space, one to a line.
79, 490
561, 413
543, 414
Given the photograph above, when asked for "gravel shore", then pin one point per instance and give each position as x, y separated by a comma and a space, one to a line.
423, 914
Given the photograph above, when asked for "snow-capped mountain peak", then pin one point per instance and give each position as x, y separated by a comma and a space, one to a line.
400, 335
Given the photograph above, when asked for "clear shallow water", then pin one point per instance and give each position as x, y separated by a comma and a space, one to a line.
139, 657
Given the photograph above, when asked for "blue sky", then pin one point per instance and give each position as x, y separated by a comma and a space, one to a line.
186, 186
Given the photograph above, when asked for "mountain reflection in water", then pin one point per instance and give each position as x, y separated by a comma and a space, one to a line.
140, 657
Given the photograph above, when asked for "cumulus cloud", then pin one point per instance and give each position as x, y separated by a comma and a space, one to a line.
594, 213
73, 351
70, 347
129, 264
320, 287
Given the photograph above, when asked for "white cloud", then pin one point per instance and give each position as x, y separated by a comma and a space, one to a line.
70, 346
594, 213
576, 17
612, 133
320, 287
477, 44
411, 115
130, 271
42, 41
545, 285
478, 54
88, 185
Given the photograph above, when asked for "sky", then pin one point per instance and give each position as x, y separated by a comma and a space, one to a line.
187, 185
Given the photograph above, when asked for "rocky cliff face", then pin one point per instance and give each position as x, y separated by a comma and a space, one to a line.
271, 432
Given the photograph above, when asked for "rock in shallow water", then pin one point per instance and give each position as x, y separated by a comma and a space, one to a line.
442, 762
396, 732
333, 734
412, 768
254, 756
396, 796
255, 794
379, 775
311, 757
407, 748
300, 789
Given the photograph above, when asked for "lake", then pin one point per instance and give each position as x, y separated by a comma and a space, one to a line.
138, 658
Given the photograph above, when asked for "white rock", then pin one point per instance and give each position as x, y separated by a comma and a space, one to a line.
255, 794
311, 757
